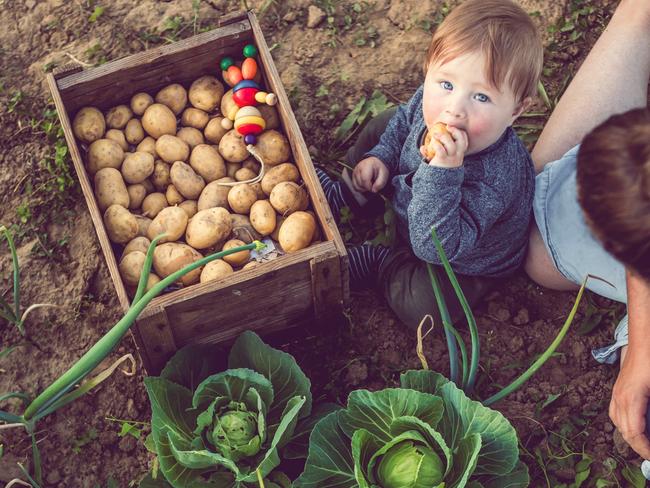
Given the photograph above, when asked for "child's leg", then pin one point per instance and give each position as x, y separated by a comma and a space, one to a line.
612, 79
365, 260
407, 288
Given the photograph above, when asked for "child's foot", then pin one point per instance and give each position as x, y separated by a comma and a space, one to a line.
333, 192
365, 262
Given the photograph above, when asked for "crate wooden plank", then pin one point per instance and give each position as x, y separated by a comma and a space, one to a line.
89, 195
180, 62
300, 152
326, 284
155, 337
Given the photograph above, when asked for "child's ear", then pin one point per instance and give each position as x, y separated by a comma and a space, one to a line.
521, 107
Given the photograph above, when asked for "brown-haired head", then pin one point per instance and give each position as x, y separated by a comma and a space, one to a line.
613, 178
503, 32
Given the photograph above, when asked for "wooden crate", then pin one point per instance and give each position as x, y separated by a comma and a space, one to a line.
298, 288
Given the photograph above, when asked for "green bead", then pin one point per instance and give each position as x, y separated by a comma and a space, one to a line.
226, 63
250, 51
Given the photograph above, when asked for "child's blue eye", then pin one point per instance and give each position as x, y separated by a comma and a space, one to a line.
446, 85
482, 97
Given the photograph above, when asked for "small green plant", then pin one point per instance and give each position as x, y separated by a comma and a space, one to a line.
12, 312
98, 11
465, 375
15, 100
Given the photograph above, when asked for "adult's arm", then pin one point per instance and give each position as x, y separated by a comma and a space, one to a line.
631, 393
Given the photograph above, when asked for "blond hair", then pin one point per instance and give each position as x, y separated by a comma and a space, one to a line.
503, 32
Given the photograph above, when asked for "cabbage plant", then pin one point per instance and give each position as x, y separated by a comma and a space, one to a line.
426, 434
229, 428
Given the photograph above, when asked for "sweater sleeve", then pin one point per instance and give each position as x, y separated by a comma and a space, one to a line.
389, 148
460, 214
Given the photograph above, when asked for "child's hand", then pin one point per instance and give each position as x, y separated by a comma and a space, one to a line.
371, 174
448, 148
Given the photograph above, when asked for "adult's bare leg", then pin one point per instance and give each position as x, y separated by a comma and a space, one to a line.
612, 79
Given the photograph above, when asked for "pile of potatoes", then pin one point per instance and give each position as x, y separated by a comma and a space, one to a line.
166, 164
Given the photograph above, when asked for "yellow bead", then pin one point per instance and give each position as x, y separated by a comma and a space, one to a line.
260, 97
250, 120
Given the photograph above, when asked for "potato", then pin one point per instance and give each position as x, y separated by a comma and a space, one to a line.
250, 264
263, 217
171, 221
158, 120
215, 270
205, 93
153, 204
257, 187
137, 167
136, 244
118, 136
121, 225
193, 137
215, 195
140, 102
104, 153
253, 165
148, 144
228, 106
89, 125
117, 117
173, 96
172, 195
207, 162
190, 207
239, 258
242, 229
241, 197
110, 189
143, 225
270, 116
186, 181
277, 174
214, 131
287, 197
193, 117
131, 266
297, 231
273, 147
317, 233
231, 169
172, 256
137, 193
232, 147
160, 177
148, 185
208, 227
275, 235
170, 148
134, 132
244, 174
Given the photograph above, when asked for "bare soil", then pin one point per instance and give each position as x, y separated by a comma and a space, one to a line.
356, 48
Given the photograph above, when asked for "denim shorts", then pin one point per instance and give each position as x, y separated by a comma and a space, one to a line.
571, 245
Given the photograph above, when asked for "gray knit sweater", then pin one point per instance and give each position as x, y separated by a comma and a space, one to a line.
481, 210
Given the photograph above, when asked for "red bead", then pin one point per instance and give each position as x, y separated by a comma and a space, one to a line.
246, 129
245, 97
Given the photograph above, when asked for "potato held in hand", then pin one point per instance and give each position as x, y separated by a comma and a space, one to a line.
297, 231
438, 129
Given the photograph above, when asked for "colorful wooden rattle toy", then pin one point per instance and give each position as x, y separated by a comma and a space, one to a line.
248, 120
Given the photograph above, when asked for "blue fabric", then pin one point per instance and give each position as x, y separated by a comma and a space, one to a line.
481, 210
574, 250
